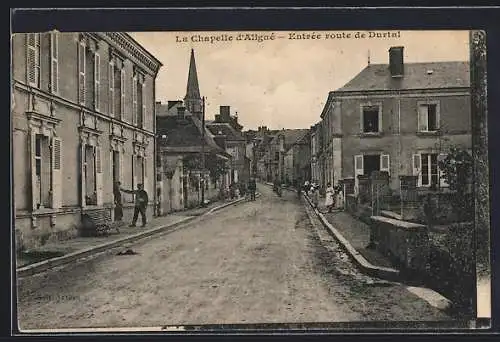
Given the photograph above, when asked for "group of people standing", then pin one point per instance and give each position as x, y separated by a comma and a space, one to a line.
140, 206
312, 190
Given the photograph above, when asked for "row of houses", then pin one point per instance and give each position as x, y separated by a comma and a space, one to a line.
282, 155
398, 118
84, 116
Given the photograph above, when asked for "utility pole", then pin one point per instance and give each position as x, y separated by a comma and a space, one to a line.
203, 152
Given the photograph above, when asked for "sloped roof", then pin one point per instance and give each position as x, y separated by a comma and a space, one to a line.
416, 76
292, 136
185, 135
217, 128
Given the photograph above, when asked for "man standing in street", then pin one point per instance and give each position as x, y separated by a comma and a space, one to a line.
252, 186
141, 203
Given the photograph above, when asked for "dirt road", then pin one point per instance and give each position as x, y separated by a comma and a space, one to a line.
253, 263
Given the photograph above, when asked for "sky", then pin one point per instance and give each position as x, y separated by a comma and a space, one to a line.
283, 83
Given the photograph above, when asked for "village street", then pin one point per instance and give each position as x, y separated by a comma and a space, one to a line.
257, 262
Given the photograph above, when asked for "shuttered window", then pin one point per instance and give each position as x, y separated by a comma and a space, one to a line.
111, 73
122, 92
81, 73
97, 81
54, 64
134, 100
56, 173
33, 59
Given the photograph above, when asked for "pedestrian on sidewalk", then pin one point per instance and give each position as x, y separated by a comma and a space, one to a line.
118, 202
141, 203
329, 199
315, 195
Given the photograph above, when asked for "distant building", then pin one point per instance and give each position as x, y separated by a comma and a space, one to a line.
83, 118
399, 118
225, 125
276, 146
315, 133
183, 143
298, 158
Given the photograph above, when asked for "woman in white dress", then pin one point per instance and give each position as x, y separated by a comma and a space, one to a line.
329, 202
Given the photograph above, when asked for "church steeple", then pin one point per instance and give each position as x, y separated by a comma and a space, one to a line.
192, 100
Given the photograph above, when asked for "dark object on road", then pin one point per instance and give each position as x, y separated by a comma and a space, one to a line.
128, 251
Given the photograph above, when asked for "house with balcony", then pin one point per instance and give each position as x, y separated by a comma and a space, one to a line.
82, 119
400, 118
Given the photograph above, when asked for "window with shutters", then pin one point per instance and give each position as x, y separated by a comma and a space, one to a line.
139, 169
116, 166
140, 103
54, 64
33, 59
111, 84
428, 117
429, 173
81, 73
42, 172
90, 79
97, 81
89, 169
117, 93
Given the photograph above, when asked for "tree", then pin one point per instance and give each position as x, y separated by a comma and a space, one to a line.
457, 170
217, 167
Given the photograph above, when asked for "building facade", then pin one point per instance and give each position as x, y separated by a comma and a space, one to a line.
297, 159
83, 117
399, 118
227, 126
315, 152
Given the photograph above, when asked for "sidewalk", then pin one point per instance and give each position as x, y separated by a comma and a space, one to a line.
78, 247
354, 236
357, 233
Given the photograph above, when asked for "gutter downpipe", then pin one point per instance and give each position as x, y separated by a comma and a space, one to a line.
153, 167
399, 136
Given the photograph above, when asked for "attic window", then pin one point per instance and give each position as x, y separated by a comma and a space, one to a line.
430, 72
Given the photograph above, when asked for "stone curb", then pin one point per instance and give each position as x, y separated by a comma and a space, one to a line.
67, 258
372, 270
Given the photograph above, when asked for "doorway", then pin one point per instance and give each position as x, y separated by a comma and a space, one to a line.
116, 167
371, 163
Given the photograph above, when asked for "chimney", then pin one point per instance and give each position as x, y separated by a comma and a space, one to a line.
181, 112
224, 113
396, 64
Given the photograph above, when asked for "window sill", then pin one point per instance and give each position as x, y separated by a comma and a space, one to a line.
371, 134
428, 133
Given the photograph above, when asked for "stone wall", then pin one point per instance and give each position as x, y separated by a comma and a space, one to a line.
407, 243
